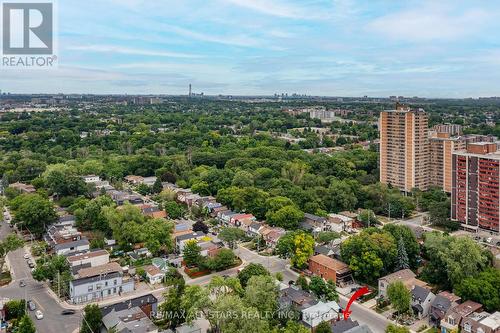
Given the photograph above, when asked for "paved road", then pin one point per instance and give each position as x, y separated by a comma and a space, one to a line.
53, 321
363, 315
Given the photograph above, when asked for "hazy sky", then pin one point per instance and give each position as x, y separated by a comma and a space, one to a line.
440, 48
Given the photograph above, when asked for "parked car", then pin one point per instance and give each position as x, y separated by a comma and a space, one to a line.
39, 315
31, 264
68, 312
26, 256
31, 305
22, 283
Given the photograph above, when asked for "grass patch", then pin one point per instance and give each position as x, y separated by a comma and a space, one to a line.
5, 278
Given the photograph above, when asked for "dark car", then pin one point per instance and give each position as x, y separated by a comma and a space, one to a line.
68, 312
31, 305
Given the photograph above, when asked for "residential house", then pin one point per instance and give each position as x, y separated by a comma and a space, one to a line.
330, 269
187, 328
89, 179
132, 316
254, 228
405, 275
239, 219
181, 229
66, 220
295, 298
224, 217
271, 235
339, 223
72, 247
481, 322
324, 250
96, 283
454, 316
160, 263
94, 258
3, 309
209, 248
421, 300
441, 304
153, 211
219, 209
139, 253
134, 180
149, 181
314, 223
153, 274
23, 188
320, 312
180, 241
342, 326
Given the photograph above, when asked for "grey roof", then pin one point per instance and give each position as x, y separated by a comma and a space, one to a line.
138, 301
420, 293
92, 279
342, 326
321, 249
80, 242
190, 236
67, 218
314, 217
360, 329
442, 303
131, 320
75, 269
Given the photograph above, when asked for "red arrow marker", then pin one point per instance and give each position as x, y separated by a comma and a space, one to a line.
360, 292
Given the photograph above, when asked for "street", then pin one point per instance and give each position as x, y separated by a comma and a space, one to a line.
53, 321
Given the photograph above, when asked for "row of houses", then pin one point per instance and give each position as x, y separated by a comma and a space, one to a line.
444, 310
312, 311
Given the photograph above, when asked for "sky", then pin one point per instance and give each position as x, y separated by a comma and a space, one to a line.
441, 48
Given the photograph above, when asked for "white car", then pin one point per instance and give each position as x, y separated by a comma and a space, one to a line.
26, 256
39, 315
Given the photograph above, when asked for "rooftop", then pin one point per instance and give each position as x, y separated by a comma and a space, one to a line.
111, 267
331, 263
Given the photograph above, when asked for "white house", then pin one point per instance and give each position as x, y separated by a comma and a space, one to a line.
91, 179
314, 315
153, 274
94, 258
421, 300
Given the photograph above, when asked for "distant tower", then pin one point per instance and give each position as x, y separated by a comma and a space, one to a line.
190, 90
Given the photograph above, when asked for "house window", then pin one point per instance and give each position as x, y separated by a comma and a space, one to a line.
98, 286
451, 321
467, 327
106, 283
114, 281
91, 288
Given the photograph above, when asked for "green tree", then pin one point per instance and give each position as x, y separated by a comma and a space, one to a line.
231, 235
34, 212
327, 236
403, 262
261, 293
192, 253
391, 328
10, 243
482, 288
157, 186
323, 327
26, 325
15, 309
222, 260
293, 327
288, 217
323, 290
399, 296
452, 259
92, 216
303, 250
302, 283
63, 180
252, 269
174, 210
368, 218
172, 308
92, 318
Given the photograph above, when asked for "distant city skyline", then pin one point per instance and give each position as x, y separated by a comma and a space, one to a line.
445, 49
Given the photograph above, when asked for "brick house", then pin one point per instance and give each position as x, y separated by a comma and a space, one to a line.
330, 269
